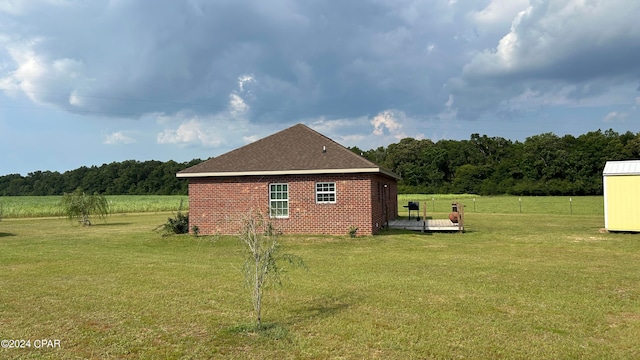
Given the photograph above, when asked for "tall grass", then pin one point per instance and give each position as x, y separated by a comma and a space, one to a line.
48, 206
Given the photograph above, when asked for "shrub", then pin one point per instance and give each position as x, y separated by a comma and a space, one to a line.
179, 224
352, 231
78, 205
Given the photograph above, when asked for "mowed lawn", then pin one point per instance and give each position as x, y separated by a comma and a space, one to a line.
514, 286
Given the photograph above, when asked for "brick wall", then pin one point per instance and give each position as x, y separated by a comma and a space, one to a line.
217, 205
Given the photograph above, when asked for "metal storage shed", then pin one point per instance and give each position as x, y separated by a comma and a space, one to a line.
621, 186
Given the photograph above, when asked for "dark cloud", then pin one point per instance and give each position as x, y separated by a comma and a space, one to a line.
336, 58
567, 49
332, 59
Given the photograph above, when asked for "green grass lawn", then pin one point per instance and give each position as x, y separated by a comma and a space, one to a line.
514, 286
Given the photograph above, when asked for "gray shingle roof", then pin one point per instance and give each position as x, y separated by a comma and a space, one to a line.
296, 150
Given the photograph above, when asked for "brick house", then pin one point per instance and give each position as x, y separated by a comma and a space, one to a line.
304, 181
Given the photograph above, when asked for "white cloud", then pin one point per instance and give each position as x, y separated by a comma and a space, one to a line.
75, 99
345, 131
499, 13
250, 138
448, 115
388, 127
117, 138
387, 120
29, 68
192, 132
335, 126
237, 106
615, 116
40, 79
12, 8
245, 79
19, 7
449, 102
352, 139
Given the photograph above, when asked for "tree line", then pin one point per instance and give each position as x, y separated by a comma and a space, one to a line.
544, 164
117, 178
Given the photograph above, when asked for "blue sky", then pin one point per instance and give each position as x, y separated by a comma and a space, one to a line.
90, 82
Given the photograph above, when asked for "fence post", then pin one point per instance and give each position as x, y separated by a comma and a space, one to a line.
424, 217
520, 201
460, 207
570, 206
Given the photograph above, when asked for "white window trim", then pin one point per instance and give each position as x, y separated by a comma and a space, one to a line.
272, 201
334, 192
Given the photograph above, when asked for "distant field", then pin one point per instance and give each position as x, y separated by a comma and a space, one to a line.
46, 206
551, 205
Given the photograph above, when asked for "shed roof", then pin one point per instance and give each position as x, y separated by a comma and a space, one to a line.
627, 167
297, 150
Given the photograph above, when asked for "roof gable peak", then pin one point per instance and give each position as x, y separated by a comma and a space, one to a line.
294, 150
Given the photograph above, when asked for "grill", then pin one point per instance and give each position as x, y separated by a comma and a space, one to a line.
413, 206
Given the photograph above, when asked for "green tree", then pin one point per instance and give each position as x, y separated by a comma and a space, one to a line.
78, 205
469, 178
632, 147
263, 257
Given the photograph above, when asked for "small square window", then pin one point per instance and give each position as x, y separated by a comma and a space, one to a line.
326, 193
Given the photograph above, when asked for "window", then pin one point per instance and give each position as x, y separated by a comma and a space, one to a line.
326, 193
279, 200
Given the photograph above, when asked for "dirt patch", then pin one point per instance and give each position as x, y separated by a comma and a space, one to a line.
586, 238
623, 318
